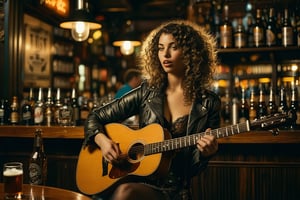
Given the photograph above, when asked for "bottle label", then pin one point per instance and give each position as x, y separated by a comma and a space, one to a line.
239, 40
26, 116
287, 36
38, 115
35, 174
1, 113
258, 36
270, 38
225, 36
14, 117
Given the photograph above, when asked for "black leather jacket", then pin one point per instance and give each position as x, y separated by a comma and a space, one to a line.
148, 102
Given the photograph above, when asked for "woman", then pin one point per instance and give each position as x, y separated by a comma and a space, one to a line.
177, 60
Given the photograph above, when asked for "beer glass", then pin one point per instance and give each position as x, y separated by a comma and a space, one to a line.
13, 180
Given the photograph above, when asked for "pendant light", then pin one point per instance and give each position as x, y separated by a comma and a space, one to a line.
127, 40
80, 22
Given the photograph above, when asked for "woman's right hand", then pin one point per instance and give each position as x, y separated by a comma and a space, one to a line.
110, 150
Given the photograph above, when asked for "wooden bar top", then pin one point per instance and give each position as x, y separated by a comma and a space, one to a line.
60, 132
46, 192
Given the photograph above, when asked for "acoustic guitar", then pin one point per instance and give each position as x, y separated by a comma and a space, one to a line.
146, 152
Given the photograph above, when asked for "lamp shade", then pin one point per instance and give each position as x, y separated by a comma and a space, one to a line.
127, 42
80, 22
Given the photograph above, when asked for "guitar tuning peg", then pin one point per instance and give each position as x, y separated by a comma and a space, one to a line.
274, 131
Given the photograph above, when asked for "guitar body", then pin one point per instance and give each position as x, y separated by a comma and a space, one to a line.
94, 175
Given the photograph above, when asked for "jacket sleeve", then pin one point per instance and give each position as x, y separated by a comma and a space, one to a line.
116, 111
213, 104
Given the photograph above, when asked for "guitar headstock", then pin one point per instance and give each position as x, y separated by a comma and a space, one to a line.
272, 121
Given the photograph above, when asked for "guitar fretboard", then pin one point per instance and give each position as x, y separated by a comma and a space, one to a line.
190, 140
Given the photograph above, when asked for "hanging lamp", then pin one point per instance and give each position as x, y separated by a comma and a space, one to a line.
127, 40
80, 22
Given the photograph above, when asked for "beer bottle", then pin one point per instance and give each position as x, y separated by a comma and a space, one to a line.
272, 107
27, 116
294, 108
84, 110
14, 111
244, 108
261, 106
39, 109
287, 30
226, 108
258, 30
240, 35
49, 109
75, 108
57, 106
38, 161
4, 112
271, 30
252, 109
31, 100
65, 113
226, 29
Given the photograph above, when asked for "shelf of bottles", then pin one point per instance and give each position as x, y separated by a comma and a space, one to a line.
258, 47
49, 108
63, 68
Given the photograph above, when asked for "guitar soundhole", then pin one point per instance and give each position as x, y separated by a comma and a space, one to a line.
136, 152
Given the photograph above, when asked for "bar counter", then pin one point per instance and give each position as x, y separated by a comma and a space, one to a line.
60, 132
250, 165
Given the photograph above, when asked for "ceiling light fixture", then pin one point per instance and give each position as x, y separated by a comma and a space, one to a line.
127, 40
80, 22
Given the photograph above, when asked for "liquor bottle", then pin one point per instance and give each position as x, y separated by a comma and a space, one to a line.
14, 111
65, 113
75, 108
282, 107
38, 161
226, 108
244, 108
271, 30
253, 106
31, 99
258, 30
57, 106
248, 16
4, 112
272, 107
240, 35
226, 30
84, 110
49, 109
27, 115
250, 40
39, 109
287, 30
294, 108
261, 106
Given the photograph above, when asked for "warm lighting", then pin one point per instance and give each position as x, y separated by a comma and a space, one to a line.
80, 23
127, 40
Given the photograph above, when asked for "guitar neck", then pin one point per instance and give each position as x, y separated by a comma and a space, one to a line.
190, 140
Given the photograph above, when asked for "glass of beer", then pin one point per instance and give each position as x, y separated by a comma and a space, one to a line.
13, 180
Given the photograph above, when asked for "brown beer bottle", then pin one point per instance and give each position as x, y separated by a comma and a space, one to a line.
14, 111
38, 161
252, 109
226, 29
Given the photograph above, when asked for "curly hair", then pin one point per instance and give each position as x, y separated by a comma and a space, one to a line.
199, 56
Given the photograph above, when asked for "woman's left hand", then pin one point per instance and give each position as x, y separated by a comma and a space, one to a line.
207, 145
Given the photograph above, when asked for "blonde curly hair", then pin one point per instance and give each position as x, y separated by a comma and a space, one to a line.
199, 56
